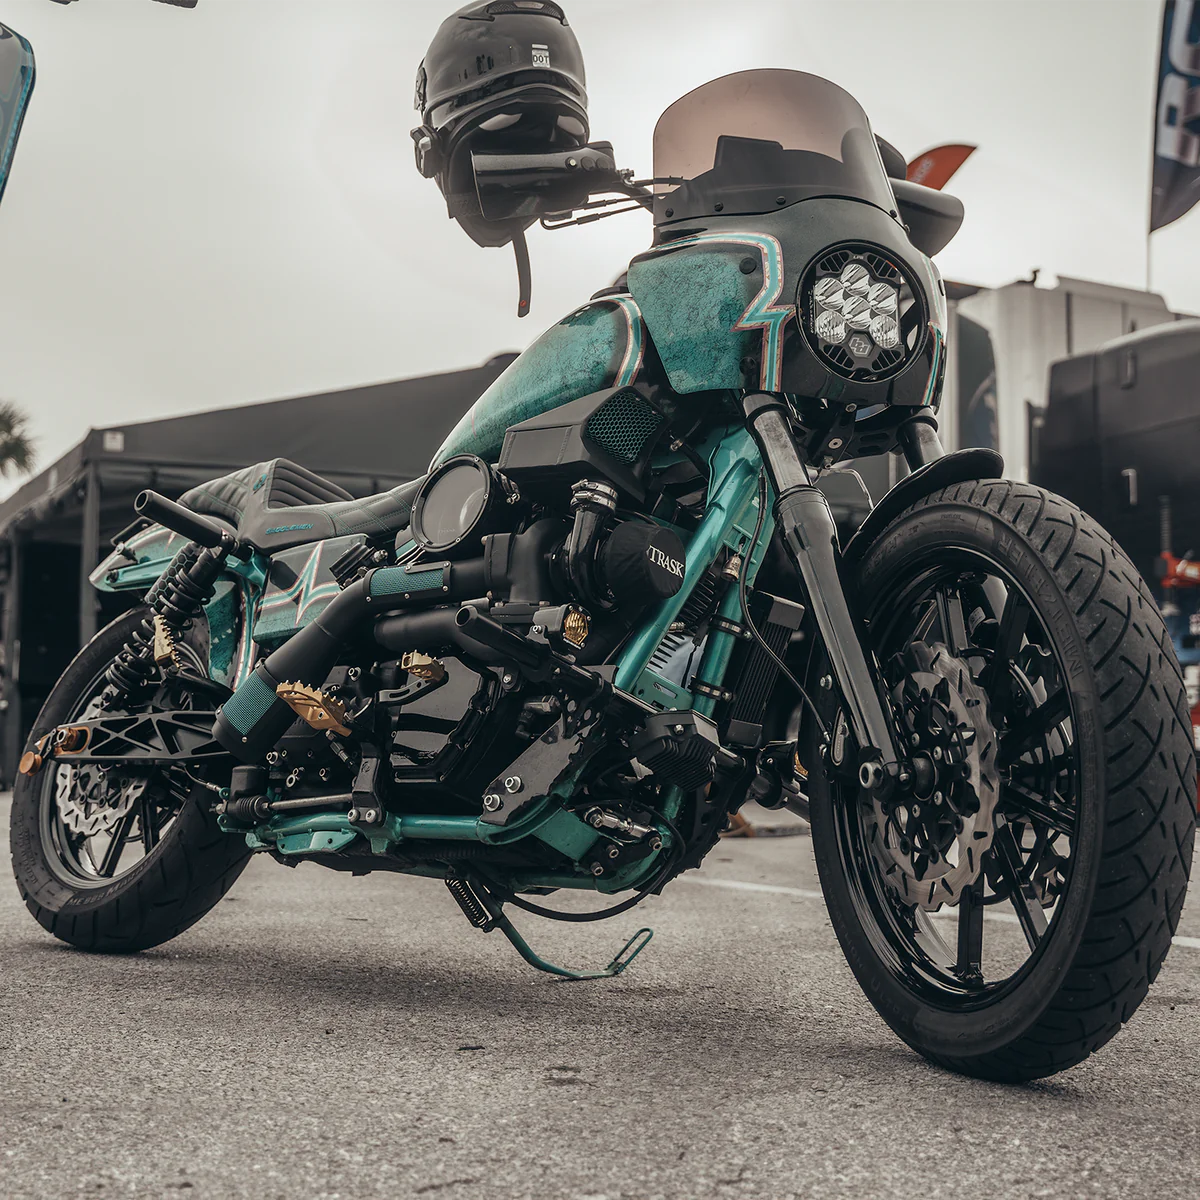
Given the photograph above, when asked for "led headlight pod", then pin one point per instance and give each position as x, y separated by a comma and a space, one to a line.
830, 327
856, 279
863, 313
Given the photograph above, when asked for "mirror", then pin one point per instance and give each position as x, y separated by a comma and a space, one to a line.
16, 86
531, 185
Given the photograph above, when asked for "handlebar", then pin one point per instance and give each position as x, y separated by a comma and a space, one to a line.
188, 524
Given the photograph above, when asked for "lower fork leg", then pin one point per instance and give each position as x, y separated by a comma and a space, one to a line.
810, 535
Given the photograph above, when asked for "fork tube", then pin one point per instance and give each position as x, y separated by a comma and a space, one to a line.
807, 527
918, 438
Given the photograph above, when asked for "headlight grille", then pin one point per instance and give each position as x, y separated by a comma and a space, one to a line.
863, 317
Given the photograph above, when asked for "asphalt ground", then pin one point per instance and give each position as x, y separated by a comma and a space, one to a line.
320, 1035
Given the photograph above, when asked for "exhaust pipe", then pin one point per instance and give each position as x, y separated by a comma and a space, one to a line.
254, 718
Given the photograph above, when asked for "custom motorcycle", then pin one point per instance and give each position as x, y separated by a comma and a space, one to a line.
617, 608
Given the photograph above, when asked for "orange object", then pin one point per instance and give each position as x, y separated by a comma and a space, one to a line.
30, 764
934, 168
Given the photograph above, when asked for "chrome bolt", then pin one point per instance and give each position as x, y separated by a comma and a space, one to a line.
937, 753
614, 852
352, 815
508, 677
655, 843
370, 816
835, 443
597, 868
353, 673
826, 682
677, 728
916, 739
938, 798
915, 810
492, 801
513, 783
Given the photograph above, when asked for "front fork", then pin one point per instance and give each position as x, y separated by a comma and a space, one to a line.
803, 518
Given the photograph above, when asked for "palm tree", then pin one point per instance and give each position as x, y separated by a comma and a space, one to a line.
16, 446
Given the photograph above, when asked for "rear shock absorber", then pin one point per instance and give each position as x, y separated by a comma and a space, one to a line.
181, 592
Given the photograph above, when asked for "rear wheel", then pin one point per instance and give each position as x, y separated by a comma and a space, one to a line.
1007, 908
123, 859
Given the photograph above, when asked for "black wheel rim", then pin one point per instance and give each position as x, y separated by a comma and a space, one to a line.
92, 860
971, 954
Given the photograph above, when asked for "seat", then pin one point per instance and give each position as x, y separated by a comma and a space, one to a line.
279, 504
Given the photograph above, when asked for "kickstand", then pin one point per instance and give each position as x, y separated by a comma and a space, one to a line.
485, 912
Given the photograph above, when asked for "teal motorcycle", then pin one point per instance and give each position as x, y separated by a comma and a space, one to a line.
617, 608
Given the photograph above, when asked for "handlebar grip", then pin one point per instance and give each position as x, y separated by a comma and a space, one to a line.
181, 520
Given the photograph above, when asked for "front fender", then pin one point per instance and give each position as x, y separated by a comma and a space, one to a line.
960, 467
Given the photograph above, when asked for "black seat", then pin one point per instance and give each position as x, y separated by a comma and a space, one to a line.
279, 504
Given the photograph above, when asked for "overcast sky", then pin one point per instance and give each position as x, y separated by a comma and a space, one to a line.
219, 205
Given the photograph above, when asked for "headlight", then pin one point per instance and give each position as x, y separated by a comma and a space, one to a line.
861, 314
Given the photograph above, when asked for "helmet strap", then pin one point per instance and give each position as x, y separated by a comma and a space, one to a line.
524, 275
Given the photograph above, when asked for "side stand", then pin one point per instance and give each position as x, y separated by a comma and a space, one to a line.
486, 913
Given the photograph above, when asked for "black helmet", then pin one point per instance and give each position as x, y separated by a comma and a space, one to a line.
500, 76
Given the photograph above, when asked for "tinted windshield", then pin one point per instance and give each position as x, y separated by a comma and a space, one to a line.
743, 141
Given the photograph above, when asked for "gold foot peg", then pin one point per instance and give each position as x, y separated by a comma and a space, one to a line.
314, 707
422, 666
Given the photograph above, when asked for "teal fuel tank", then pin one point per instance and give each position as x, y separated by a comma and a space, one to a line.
600, 345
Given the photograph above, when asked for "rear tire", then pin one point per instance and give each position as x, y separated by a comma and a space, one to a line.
1134, 799
183, 876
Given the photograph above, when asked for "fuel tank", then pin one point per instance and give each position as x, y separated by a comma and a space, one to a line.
598, 346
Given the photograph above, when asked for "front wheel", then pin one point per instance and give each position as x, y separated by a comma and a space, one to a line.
1006, 909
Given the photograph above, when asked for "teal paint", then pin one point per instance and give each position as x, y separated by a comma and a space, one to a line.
707, 317
565, 832
281, 611
718, 649
734, 465
224, 616
327, 841
152, 549
597, 346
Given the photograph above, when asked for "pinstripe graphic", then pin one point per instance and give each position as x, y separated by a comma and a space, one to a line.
763, 312
635, 344
305, 592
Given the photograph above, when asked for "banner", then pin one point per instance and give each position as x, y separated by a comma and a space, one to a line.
1175, 184
934, 168
16, 84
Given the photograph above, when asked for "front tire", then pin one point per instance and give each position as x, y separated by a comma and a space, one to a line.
187, 862
1091, 863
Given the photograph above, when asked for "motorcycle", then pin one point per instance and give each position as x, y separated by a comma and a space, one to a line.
617, 609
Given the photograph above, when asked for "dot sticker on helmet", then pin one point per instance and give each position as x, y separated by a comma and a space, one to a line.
540, 55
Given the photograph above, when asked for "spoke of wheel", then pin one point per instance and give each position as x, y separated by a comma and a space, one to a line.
950, 614
1030, 914
1034, 728
969, 966
1053, 810
1014, 620
112, 855
149, 822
